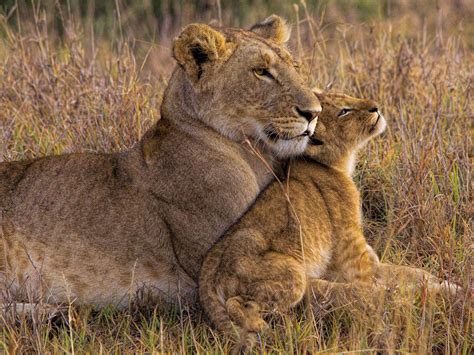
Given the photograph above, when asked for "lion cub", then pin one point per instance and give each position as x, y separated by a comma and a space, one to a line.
310, 231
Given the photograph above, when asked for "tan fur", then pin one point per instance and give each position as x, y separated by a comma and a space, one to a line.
310, 230
94, 228
273, 27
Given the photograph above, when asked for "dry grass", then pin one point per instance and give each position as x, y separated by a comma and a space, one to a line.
79, 92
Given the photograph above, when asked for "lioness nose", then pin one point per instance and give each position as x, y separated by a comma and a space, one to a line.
309, 114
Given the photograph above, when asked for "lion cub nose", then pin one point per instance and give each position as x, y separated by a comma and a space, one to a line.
309, 114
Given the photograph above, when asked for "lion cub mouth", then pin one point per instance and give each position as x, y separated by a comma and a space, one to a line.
378, 121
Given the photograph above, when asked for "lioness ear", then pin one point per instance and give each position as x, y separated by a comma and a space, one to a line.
273, 28
197, 45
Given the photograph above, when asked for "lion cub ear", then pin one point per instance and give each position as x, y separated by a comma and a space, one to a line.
273, 28
317, 90
197, 45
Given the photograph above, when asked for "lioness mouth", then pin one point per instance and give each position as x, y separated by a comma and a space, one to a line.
274, 136
315, 141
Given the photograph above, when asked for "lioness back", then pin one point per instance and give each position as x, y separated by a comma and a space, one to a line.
10, 174
96, 228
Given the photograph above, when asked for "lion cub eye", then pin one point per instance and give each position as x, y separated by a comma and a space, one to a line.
344, 111
262, 72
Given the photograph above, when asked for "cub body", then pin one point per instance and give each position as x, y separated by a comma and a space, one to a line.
307, 227
304, 234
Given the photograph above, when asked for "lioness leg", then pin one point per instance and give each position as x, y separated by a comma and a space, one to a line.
31, 309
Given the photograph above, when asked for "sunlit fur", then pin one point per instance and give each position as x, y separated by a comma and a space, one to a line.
96, 228
308, 228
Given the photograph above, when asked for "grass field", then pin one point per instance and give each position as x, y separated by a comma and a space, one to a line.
90, 78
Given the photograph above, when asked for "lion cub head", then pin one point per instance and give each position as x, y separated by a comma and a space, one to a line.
244, 84
344, 126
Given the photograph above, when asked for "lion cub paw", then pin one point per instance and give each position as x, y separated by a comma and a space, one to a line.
246, 314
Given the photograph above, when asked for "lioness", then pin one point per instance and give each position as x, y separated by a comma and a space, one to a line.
95, 227
312, 231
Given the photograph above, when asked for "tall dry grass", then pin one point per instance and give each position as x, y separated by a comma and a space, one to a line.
78, 89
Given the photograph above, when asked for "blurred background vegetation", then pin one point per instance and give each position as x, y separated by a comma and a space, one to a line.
148, 26
157, 17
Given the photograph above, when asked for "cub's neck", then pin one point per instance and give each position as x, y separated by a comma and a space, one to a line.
334, 185
346, 164
313, 169
337, 176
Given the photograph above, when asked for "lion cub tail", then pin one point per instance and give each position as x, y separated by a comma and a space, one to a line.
211, 296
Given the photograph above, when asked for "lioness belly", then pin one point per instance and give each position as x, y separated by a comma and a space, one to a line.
89, 238
97, 227
39, 268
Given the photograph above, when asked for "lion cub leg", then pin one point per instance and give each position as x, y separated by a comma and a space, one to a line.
398, 275
354, 260
246, 314
281, 284
273, 281
341, 294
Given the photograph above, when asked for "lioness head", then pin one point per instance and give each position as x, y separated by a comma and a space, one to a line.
344, 126
244, 84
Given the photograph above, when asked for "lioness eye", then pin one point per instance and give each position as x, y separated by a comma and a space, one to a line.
263, 72
344, 111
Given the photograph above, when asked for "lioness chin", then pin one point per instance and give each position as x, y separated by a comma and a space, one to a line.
94, 228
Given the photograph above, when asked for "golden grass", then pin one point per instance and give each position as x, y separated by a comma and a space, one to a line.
76, 92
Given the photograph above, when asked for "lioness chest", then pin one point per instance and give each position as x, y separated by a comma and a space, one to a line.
205, 187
